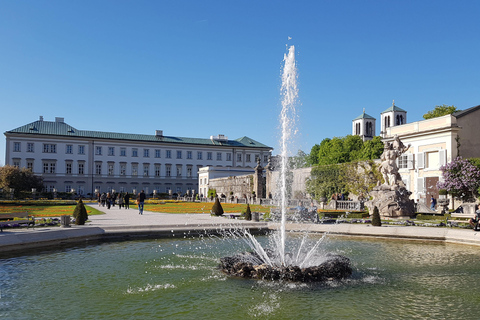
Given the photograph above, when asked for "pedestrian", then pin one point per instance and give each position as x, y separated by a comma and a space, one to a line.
433, 203
475, 220
126, 200
103, 198
120, 200
109, 200
114, 197
140, 201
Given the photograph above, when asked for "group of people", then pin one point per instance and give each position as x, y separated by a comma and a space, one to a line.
109, 199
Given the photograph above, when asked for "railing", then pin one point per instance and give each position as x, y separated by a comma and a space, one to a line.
346, 205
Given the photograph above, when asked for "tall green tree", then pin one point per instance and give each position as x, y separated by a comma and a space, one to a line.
21, 179
312, 158
440, 111
372, 149
299, 160
325, 181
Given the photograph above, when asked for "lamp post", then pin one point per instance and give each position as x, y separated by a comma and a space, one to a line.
72, 191
34, 190
54, 193
154, 193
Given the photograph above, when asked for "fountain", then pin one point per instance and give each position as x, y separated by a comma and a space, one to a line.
301, 264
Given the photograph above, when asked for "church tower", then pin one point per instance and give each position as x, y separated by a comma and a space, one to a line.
364, 126
393, 116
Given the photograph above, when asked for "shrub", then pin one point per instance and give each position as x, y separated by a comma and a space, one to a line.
217, 208
248, 213
376, 218
80, 213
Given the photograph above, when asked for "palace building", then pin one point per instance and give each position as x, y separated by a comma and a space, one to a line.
87, 161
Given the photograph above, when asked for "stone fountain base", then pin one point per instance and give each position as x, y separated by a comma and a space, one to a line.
392, 202
243, 265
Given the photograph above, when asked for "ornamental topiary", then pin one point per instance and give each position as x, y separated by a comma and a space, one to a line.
376, 222
248, 213
80, 213
217, 208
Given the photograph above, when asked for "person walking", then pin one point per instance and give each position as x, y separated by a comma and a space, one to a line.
120, 200
433, 203
140, 201
109, 200
126, 200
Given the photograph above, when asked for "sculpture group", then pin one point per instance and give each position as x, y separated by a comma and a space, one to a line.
392, 198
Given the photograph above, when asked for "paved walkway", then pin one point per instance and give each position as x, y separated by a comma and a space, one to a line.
128, 223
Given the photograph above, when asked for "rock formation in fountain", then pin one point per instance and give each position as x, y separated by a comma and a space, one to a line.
248, 265
392, 198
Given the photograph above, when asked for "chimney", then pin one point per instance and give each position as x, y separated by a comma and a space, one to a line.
59, 120
41, 118
159, 133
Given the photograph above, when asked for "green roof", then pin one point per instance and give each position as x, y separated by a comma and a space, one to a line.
51, 128
394, 108
364, 116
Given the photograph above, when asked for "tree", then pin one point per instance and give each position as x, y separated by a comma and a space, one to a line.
248, 213
376, 221
217, 208
372, 149
80, 213
461, 179
360, 177
312, 158
21, 179
440, 111
298, 161
324, 181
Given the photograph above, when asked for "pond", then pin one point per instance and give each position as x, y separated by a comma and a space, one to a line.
179, 279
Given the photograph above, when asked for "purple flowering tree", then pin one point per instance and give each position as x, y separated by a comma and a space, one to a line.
461, 179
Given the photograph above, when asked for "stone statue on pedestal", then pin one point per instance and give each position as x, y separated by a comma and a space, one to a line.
392, 198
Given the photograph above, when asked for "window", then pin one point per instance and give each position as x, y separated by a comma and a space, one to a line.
146, 168
189, 154
157, 153
98, 151
123, 152
199, 155
229, 157
168, 155
68, 168
239, 157
219, 156
265, 158
16, 163
209, 156
179, 154
69, 149
81, 149
179, 170
123, 169
110, 169
257, 157
403, 162
68, 188
189, 172
30, 164
248, 158
111, 151
49, 167
134, 152
157, 170
81, 168
49, 148
98, 168
134, 169
146, 153
16, 146
168, 170
30, 147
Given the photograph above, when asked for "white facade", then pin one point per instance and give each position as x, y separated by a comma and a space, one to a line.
205, 174
86, 161
393, 116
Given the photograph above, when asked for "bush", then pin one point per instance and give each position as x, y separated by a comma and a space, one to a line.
248, 213
376, 218
217, 208
80, 213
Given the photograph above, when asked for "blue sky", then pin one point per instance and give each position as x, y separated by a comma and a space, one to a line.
196, 68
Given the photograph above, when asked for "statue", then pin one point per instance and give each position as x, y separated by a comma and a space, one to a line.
388, 167
392, 198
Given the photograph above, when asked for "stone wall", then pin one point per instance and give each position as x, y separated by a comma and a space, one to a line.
298, 179
241, 186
